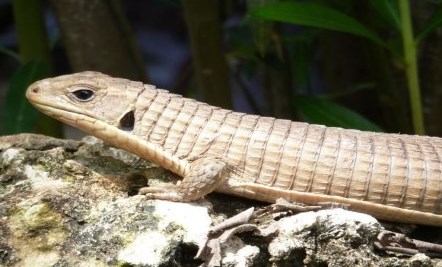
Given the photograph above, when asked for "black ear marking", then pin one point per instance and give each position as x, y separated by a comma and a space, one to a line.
127, 122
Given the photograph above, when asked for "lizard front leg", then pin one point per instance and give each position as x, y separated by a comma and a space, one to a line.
205, 175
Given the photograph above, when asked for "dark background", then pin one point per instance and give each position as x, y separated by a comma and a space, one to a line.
218, 52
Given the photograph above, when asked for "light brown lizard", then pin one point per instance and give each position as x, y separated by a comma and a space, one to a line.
391, 176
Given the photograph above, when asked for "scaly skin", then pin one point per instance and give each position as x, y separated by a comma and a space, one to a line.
391, 176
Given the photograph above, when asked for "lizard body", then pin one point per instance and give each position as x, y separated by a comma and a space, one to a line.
390, 176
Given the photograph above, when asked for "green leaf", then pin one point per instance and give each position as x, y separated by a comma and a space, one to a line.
314, 15
433, 24
262, 30
389, 10
18, 114
320, 111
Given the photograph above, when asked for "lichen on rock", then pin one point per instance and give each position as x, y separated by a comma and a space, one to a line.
75, 203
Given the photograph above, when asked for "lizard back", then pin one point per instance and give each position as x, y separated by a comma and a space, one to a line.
390, 169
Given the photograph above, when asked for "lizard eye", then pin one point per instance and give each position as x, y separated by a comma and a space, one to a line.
83, 95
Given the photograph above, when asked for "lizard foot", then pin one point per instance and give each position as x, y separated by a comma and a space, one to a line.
205, 175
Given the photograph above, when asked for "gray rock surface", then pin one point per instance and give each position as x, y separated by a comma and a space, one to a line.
74, 203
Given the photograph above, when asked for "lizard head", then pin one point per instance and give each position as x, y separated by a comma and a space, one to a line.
87, 98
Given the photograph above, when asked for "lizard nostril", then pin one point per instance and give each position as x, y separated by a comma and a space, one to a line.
33, 91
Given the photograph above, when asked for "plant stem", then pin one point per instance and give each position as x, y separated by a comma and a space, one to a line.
32, 37
35, 52
207, 51
410, 58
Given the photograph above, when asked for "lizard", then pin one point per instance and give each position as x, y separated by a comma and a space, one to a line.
394, 177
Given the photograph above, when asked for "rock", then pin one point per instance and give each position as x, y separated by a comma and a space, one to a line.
324, 237
74, 203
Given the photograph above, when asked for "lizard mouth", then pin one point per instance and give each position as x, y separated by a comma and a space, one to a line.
68, 117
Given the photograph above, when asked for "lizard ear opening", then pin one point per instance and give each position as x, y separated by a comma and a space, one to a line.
127, 122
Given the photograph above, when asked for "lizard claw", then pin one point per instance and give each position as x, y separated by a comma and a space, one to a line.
164, 193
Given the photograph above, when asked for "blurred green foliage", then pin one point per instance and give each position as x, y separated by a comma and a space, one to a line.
322, 111
275, 47
18, 114
397, 13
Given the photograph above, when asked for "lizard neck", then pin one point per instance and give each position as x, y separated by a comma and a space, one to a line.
136, 145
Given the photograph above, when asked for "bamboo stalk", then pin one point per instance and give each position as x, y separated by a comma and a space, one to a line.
411, 67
